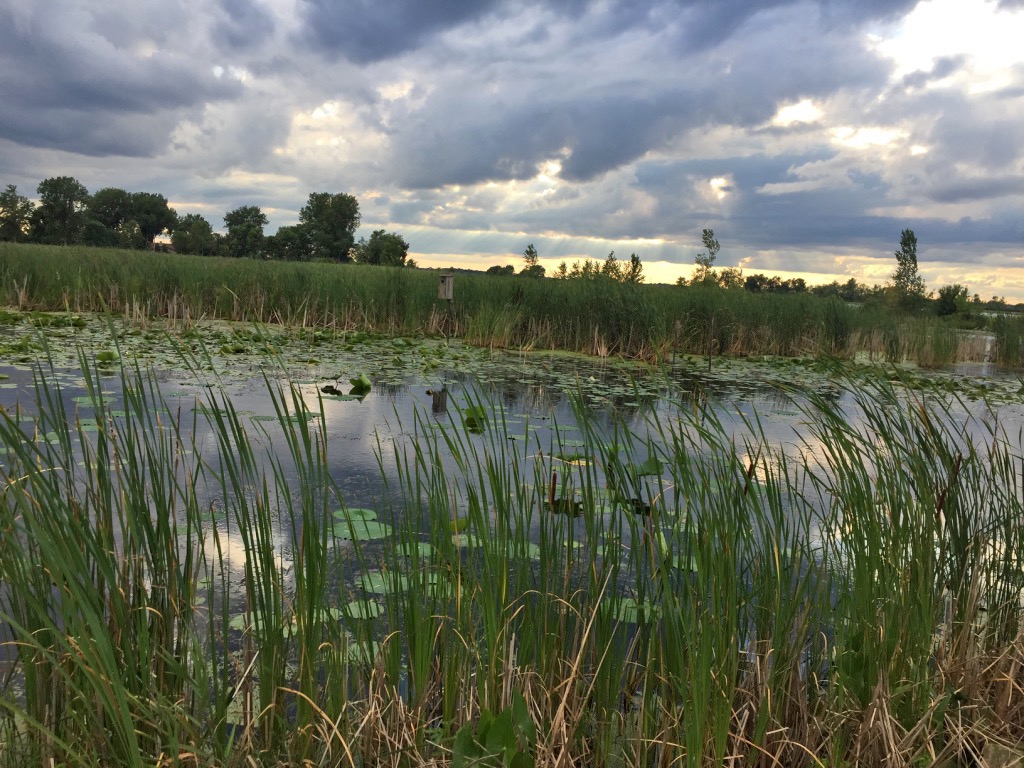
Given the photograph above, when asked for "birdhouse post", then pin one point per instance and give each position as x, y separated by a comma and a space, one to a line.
446, 287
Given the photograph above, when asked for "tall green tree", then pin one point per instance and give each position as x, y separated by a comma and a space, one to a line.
15, 214
706, 258
244, 236
130, 235
194, 234
611, 268
60, 216
908, 286
110, 207
105, 213
330, 222
289, 244
385, 248
532, 259
634, 271
952, 299
152, 213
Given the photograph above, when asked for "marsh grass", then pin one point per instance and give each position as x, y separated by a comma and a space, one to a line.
1009, 344
853, 600
599, 317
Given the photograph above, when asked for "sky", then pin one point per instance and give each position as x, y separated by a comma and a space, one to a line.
806, 134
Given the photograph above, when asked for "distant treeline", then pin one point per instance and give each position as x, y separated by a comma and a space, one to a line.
67, 214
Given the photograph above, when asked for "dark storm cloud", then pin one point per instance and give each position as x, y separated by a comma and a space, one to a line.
245, 24
770, 220
601, 133
79, 91
497, 121
988, 188
992, 144
372, 30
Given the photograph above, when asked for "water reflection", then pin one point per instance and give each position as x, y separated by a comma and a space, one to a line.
535, 403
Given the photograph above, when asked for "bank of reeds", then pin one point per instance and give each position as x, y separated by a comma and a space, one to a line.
598, 317
177, 589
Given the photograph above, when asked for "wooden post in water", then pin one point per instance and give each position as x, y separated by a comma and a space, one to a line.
439, 404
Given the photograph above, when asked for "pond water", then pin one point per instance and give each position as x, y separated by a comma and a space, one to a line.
531, 399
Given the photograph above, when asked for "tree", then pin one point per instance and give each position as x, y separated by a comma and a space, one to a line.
130, 235
153, 215
731, 277
508, 269
611, 268
15, 214
634, 271
587, 270
952, 299
330, 222
110, 207
245, 231
193, 234
907, 284
853, 291
388, 249
60, 216
530, 256
289, 244
706, 258
533, 267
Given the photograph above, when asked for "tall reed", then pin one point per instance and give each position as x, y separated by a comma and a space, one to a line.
183, 589
599, 316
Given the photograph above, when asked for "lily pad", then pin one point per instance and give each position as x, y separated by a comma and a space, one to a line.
360, 609
361, 385
382, 582
361, 530
356, 514
467, 540
631, 611
574, 458
363, 652
650, 467
475, 419
422, 548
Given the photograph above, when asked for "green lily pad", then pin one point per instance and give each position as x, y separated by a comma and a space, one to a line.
650, 467
475, 418
630, 611
360, 609
467, 540
381, 582
574, 458
361, 530
361, 385
356, 514
363, 652
422, 548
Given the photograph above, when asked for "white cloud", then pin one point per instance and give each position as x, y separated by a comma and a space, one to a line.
804, 111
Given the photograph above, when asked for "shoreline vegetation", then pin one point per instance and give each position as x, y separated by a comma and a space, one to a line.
596, 316
718, 602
